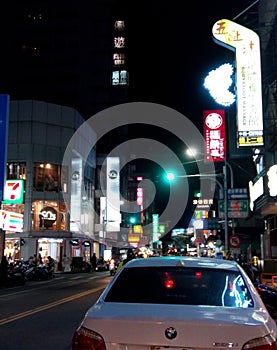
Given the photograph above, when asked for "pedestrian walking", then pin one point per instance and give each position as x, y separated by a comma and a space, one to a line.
66, 264
93, 261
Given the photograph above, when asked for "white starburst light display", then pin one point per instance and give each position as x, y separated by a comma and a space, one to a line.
218, 82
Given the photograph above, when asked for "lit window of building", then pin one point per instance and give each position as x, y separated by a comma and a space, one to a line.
119, 42
119, 25
118, 59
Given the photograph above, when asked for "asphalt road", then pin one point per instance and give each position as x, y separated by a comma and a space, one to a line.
44, 314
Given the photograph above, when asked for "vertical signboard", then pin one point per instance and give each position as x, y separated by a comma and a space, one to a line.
214, 136
4, 122
155, 227
113, 215
76, 195
246, 44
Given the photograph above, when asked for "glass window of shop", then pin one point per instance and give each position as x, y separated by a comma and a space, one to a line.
46, 177
49, 215
16, 170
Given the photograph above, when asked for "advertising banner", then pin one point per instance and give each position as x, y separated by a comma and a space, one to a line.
113, 216
246, 45
214, 136
10, 221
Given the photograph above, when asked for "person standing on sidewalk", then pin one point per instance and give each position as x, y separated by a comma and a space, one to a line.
66, 264
93, 261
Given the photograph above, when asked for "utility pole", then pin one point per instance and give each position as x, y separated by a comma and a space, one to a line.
225, 187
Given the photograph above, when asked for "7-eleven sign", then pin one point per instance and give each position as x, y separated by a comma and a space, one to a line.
13, 192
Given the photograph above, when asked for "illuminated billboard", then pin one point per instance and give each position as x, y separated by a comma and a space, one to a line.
214, 136
113, 215
13, 192
246, 44
10, 221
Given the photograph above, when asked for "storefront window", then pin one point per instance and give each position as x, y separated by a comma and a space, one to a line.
49, 215
46, 177
16, 171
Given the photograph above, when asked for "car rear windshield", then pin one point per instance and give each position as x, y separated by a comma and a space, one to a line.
182, 285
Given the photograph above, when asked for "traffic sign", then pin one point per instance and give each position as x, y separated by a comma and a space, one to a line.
212, 224
234, 241
236, 208
237, 193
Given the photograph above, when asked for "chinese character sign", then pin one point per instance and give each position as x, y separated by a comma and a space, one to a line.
246, 45
214, 136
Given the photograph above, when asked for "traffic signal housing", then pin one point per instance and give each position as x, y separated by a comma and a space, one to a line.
134, 218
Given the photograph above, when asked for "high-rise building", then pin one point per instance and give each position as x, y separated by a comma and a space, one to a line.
71, 54
61, 52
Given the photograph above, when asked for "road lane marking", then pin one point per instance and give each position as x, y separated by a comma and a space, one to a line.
47, 306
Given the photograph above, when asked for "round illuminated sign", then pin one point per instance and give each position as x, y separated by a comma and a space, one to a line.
213, 120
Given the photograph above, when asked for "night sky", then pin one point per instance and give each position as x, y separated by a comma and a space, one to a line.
177, 37
170, 52
175, 41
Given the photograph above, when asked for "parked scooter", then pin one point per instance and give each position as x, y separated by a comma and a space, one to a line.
50, 268
39, 272
16, 276
30, 271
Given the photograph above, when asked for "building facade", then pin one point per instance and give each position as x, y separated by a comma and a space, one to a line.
262, 189
38, 135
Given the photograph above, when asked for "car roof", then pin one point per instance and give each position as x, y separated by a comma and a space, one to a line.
185, 261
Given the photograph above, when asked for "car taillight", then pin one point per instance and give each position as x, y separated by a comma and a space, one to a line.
84, 338
266, 343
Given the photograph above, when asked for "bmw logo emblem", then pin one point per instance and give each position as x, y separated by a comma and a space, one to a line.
170, 333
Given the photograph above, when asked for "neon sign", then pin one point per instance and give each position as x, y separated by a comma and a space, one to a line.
246, 44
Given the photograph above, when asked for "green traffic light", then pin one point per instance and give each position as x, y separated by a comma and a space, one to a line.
197, 194
132, 220
170, 176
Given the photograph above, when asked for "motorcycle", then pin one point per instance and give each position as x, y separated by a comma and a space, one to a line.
40, 272
101, 265
15, 276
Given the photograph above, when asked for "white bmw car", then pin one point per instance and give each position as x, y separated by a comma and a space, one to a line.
178, 303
